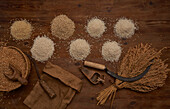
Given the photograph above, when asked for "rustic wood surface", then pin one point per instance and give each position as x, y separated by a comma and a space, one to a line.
153, 20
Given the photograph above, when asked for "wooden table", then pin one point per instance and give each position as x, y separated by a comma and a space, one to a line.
151, 16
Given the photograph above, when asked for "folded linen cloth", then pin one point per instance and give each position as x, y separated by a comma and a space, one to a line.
61, 81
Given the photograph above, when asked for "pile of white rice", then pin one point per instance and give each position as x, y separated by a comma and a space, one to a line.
42, 48
124, 28
96, 27
111, 51
79, 49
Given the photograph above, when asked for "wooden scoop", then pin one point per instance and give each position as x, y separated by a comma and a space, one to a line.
92, 76
16, 76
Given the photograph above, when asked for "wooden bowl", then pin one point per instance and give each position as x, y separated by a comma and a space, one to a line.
16, 56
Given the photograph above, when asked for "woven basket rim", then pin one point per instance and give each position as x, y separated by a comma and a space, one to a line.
27, 71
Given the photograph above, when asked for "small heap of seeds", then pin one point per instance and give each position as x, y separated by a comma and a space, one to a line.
21, 30
62, 27
96, 27
111, 51
42, 49
79, 49
124, 28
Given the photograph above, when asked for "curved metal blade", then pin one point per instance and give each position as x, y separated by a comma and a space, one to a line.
129, 79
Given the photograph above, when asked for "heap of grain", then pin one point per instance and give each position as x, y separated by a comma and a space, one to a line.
21, 30
124, 28
42, 48
79, 49
111, 51
62, 27
10, 56
96, 27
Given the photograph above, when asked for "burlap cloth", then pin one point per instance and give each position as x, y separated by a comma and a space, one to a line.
62, 82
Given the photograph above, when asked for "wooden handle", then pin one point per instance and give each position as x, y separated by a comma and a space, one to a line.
94, 65
23, 81
47, 89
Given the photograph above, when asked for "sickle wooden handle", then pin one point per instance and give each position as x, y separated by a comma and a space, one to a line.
94, 65
47, 89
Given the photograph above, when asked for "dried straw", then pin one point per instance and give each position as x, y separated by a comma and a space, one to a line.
133, 64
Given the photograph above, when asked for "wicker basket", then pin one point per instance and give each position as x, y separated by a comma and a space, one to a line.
26, 73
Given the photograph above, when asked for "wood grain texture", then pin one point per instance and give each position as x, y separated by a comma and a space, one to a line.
153, 20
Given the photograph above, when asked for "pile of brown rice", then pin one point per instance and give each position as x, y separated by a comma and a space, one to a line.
62, 27
21, 30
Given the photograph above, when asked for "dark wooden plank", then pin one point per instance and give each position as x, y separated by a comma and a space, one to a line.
152, 17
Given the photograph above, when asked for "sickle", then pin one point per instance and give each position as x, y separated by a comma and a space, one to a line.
103, 67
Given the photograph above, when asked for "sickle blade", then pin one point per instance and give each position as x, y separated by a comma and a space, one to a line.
129, 79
